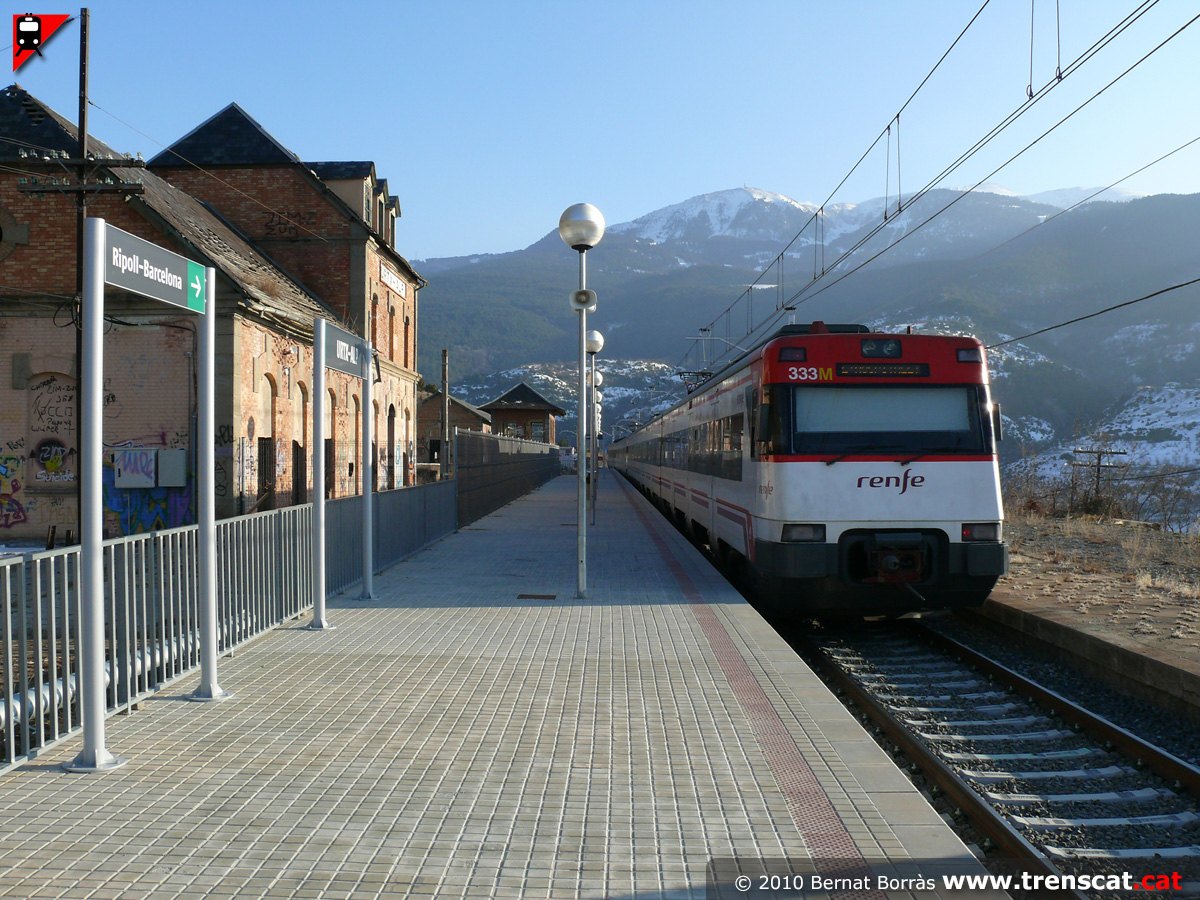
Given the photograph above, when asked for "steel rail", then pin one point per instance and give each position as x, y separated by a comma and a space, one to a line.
982, 816
1155, 758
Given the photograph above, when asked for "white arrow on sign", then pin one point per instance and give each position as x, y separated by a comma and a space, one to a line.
197, 285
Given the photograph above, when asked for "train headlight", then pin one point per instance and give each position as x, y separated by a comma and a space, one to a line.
805, 533
888, 348
981, 531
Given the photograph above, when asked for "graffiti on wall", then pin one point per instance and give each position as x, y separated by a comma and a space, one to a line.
54, 462
52, 406
135, 467
12, 511
137, 510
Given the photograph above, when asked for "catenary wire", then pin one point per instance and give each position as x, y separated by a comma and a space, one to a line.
1091, 196
1079, 61
994, 171
795, 299
1099, 312
815, 217
211, 175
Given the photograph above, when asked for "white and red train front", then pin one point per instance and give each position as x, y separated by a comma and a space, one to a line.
850, 471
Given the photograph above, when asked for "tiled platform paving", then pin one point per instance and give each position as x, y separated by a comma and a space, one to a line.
474, 730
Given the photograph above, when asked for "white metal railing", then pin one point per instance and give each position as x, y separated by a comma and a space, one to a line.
152, 617
151, 592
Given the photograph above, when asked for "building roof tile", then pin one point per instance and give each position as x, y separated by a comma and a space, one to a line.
229, 138
522, 396
196, 230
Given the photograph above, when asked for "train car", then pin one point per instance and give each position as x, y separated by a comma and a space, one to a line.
845, 471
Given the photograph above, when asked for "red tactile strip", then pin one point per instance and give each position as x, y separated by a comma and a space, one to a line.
818, 822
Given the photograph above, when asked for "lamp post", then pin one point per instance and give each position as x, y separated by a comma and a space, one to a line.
594, 343
597, 407
581, 226
597, 400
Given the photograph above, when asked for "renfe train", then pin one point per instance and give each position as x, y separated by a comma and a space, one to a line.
845, 471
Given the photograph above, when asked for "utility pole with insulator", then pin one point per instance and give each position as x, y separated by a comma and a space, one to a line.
1099, 453
445, 460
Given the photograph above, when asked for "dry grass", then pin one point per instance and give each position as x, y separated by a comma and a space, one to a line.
1136, 579
1118, 547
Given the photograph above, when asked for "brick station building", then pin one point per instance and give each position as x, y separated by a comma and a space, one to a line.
290, 241
463, 416
523, 412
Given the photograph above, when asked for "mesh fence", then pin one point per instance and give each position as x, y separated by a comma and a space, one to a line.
492, 470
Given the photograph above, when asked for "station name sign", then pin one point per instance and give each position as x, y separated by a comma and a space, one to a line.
345, 352
151, 271
392, 280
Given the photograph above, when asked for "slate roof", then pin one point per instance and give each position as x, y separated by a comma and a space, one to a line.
233, 138
266, 290
334, 171
28, 124
523, 397
436, 397
230, 138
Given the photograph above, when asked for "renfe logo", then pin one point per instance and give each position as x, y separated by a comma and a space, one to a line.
904, 482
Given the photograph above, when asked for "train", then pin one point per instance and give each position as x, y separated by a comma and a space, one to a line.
841, 471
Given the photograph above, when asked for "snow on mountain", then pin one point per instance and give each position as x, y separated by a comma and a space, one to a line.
990, 187
1156, 428
1067, 197
632, 390
696, 255
722, 213
1061, 198
730, 213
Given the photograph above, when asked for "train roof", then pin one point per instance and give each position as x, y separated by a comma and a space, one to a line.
794, 330
809, 328
819, 328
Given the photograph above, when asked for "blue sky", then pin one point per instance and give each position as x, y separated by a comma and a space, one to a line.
489, 118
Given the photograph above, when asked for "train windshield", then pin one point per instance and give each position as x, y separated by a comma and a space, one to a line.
900, 418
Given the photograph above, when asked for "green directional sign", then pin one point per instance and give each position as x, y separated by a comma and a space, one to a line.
152, 271
196, 277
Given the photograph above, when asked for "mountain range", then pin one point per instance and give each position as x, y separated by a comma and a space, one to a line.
985, 262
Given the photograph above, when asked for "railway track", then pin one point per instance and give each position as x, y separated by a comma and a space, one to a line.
1041, 779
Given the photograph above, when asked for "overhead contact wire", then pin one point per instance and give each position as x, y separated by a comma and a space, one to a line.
816, 215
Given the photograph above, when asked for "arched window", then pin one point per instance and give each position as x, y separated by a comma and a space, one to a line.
408, 447
265, 464
331, 468
300, 445
352, 472
375, 446
391, 447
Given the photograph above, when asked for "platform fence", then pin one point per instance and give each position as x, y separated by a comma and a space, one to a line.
492, 470
264, 577
151, 617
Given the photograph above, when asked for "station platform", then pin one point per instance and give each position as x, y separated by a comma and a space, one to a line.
475, 730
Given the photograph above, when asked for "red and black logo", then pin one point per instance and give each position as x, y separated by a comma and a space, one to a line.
30, 34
